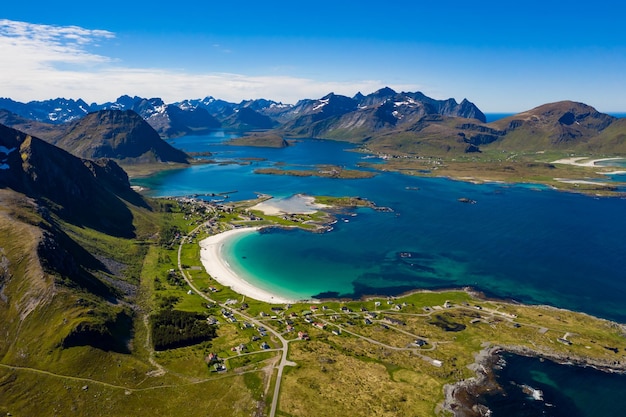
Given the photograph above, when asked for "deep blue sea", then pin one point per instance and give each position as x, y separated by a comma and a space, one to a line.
522, 242
492, 117
567, 391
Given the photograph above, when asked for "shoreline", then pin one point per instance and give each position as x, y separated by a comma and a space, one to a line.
295, 204
460, 398
219, 269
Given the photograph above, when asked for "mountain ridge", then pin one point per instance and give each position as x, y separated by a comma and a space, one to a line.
117, 134
48, 199
386, 120
195, 116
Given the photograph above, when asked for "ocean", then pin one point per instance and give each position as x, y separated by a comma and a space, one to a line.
559, 390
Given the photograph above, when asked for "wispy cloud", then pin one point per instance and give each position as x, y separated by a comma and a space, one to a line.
221, 48
43, 61
42, 46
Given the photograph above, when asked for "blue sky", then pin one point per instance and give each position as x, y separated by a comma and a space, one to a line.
504, 57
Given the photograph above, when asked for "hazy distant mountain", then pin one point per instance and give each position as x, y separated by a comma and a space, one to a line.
197, 116
57, 111
169, 120
246, 118
173, 121
251, 118
332, 114
32, 127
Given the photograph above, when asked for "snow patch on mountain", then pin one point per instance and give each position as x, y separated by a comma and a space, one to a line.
322, 103
407, 102
280, 106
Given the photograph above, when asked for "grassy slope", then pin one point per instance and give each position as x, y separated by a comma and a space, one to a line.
39, 377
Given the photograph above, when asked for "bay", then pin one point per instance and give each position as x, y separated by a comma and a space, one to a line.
522, 242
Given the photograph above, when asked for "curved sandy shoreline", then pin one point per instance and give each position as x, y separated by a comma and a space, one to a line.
216, 266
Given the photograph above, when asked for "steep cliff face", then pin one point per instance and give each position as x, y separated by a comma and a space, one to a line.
54, 291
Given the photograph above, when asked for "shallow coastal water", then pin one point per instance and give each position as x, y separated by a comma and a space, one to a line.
536, 247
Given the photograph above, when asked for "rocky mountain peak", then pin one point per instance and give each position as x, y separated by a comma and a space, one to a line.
384, 92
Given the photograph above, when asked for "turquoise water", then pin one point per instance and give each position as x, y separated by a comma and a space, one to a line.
521, 242
539, 247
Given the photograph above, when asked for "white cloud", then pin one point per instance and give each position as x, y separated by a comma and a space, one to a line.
32, 46
43, 61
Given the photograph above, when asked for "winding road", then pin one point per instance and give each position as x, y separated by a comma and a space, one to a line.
284, 342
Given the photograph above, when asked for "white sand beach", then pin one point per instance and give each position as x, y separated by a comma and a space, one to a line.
296, 204
569, 181
220, 270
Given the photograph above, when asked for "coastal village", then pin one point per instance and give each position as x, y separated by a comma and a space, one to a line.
445, 338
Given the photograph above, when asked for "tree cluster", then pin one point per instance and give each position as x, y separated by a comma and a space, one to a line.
173, 329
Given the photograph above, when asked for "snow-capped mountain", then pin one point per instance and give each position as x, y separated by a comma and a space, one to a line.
382, 109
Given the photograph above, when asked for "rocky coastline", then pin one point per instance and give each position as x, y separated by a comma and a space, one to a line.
461, 398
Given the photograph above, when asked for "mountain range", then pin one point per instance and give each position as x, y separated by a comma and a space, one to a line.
388, 108
387, 121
